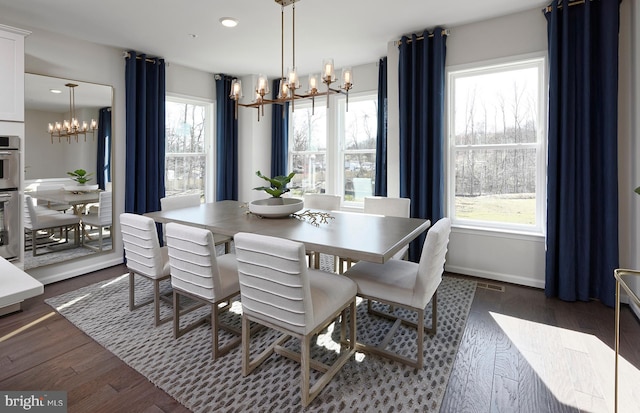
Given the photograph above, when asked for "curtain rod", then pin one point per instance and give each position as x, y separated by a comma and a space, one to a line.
548, 9
127, 55
445, 32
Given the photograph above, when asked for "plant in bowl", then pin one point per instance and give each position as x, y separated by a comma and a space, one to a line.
277, 185
80, 176
276, 206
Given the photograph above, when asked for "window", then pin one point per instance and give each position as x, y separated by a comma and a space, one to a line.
187, 154
496, 146
341, 163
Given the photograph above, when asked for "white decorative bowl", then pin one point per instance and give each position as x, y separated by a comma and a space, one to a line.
275, 207
81, 188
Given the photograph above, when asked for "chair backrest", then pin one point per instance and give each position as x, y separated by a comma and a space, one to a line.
274, 284
322, 201
30, 216
393, 207
141, 245
192, 258
105, 208
431, 265
180, 201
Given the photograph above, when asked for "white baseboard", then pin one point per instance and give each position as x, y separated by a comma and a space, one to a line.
74, 271
635, 309
510, 278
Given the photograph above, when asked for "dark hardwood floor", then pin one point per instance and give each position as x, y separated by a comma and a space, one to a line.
521, 352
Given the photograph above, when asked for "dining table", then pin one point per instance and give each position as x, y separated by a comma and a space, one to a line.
358, 236
78, 200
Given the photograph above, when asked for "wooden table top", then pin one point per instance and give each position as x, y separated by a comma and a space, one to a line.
365, 237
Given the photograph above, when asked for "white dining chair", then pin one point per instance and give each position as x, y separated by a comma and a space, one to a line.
146, 258
278, 291
324, 202
40, 219
407, 285
391, 207
198, 274
184, 201
101, 219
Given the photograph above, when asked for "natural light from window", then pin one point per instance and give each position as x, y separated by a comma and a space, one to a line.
186, 147
496, 131
596, 360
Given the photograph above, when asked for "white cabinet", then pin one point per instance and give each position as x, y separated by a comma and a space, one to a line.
12, 73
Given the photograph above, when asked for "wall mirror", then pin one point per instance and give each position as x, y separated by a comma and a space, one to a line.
49, 155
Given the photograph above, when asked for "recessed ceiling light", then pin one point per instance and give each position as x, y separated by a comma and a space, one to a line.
55, 91
193, 35
228, 21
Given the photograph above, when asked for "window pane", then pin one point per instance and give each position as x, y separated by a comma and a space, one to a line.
185, 158
497, 108
496, 150
496, 185
308, 146
359, 149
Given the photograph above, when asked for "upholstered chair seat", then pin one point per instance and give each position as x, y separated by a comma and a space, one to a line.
406, 285
278, 291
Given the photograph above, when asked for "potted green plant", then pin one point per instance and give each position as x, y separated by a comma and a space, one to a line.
277, 185
638, 190
80, 176
276, 206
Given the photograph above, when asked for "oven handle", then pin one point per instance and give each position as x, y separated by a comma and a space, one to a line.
5, 197
6, 153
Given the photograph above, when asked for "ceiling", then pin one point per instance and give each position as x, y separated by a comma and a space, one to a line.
352, 32
38, 95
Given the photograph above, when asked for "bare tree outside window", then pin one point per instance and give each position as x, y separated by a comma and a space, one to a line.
495, 143
185, 157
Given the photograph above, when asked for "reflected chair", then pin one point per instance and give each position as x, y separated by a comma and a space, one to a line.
184, 201
41, 219
407, 285
197, 273
325, 202
144, 257
101, 219
278, 291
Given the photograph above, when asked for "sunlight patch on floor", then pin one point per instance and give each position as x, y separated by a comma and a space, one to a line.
578, 368
26, 327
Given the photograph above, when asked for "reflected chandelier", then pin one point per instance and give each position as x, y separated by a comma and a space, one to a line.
291, 83
72, 128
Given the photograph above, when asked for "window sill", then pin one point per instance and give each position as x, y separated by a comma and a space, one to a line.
498, 232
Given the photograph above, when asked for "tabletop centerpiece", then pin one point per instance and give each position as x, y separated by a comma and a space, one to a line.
276, 206
81, 177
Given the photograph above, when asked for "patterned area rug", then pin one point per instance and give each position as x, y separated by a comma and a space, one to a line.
184, 369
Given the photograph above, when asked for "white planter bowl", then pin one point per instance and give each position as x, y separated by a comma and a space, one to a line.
81, 188
275, 207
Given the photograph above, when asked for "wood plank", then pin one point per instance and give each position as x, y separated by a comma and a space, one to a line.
505, 396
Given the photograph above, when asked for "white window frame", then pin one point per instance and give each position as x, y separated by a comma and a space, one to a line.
335, 152
537, 60
209, 128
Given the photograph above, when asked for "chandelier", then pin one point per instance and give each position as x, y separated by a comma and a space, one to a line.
72, 128
289, 89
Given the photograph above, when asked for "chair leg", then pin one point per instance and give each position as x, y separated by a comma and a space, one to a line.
305, 373
420, 331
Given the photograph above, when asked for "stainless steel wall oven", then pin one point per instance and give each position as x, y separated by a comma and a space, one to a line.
9, 197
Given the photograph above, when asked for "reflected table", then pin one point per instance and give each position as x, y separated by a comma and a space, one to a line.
364, 237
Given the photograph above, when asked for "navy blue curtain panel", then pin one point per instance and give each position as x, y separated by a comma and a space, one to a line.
279, 135
381, 143
103, 164
582, 187
145, 140
226, 141
421, 94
